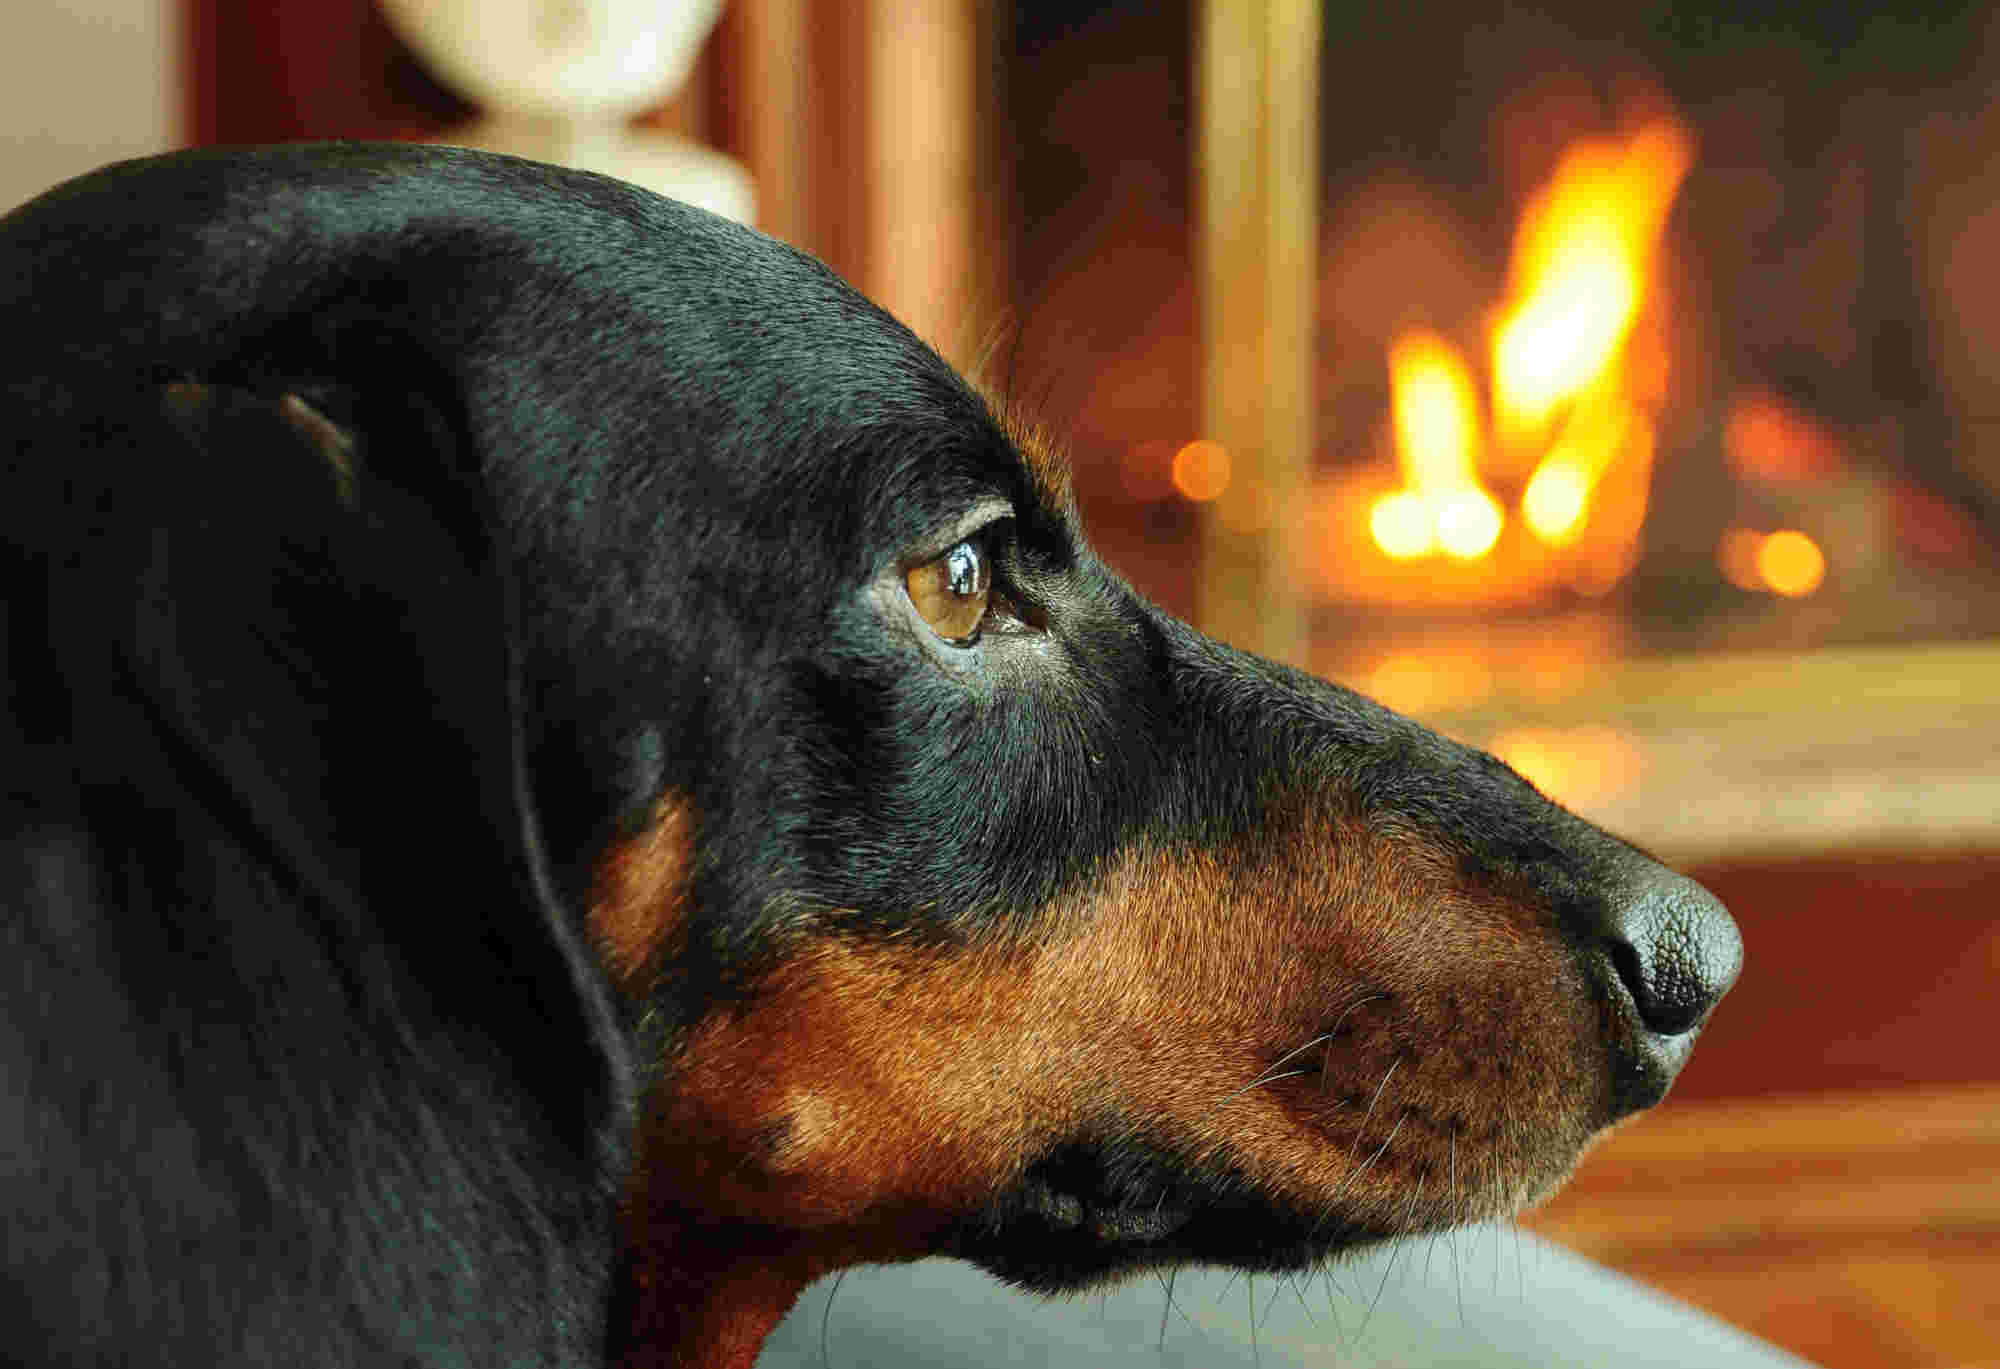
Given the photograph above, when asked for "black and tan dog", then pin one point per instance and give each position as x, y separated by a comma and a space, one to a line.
564, 775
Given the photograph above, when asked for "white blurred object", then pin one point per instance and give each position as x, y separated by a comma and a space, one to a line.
560, 81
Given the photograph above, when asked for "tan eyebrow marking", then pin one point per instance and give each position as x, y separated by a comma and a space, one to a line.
333, 442
1047, 462
639, 900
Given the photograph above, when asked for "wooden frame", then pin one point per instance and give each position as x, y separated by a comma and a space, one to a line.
1256, 248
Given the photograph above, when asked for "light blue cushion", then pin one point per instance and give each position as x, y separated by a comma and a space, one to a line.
1488, 1297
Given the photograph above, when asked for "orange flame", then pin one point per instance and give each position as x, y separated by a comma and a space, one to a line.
1576, 383
1434, 406
1583, 257
1583, 262
1559, 492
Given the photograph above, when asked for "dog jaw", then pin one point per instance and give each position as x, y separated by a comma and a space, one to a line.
1324, 1041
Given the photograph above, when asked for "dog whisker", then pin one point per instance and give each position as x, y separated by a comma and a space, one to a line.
1326, 1065
1366, 1116
1457, 1273
1356, 1177
1388, 1265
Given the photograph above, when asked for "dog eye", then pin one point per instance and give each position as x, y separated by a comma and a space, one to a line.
953, 591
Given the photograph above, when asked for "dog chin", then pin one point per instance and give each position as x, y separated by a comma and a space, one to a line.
1105, 1243
1085, 1216
1079, 1219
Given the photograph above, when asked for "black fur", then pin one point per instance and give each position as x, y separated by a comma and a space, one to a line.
307, 1054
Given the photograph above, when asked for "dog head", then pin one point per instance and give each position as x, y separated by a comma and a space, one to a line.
669, 663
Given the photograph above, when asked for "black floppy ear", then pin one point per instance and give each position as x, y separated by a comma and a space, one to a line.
291, 642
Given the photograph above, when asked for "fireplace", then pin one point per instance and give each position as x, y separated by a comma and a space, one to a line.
1627, 336
1642, 339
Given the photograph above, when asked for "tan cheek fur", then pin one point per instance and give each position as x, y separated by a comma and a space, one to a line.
867, 1084
866, 1092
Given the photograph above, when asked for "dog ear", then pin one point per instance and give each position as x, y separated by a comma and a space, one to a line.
303, 630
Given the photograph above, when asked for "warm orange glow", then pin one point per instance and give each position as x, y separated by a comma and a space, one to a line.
1558, 497
1578, 766
1786, 562
1401, 525
1468, 523
1582, 264
1424, 681
1768, 440
1791, 563
1736, 556
1146, 470
1201, 470
1434, 407
1555, 499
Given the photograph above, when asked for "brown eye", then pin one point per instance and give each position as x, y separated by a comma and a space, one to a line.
952, 592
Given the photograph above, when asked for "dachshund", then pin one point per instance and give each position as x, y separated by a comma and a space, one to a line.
565, 776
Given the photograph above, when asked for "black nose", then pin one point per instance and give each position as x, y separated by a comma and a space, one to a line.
1671, 951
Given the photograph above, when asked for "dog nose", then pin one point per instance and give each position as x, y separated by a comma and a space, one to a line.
1673, 951
1676, 950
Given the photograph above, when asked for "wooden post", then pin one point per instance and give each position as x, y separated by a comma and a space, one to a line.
1257, 265
921, 166
871, 128
765, 111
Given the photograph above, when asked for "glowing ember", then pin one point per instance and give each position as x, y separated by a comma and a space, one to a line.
1434, 406
1791, 563
1402, 525
1558, 493
1786, 562
1468, 524
1201, 470
1436, 412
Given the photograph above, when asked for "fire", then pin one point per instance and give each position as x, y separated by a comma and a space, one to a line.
1434, 406
1583, 262
1558, 493
1583, 257
1567, 397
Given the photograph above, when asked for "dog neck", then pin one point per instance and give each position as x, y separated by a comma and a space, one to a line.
702, 1298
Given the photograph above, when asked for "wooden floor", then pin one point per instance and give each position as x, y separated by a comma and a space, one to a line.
1861, 1231
1827, 1173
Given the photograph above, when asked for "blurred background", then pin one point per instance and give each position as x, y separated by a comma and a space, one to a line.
1615, 387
